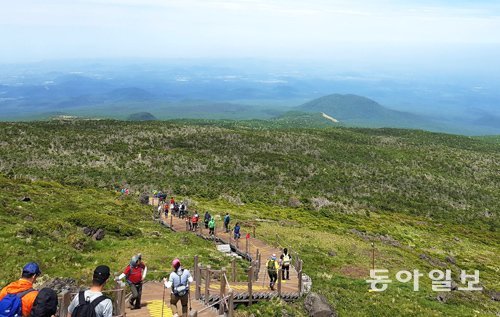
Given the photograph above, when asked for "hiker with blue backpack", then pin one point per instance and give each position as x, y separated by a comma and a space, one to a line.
135, 273
92, 303
178, 282
17, 298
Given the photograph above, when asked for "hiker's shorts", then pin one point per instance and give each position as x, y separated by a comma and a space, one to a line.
184, 300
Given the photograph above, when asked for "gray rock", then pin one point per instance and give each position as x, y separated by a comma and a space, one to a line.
332, 253
98, 235
451, 260
25, 199
88, 231
443, 297
317, 306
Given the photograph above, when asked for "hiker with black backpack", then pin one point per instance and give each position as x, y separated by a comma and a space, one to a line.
17, 298
135, 273
92, 303
178, 282
272, 269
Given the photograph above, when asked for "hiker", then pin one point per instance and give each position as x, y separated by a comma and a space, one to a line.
22, 289
179, 281
211, 227
194, 220
135, 273
237, 231
272, 269
286, 260
207, 219
160, 209
227, 219
182, 210
45, 304
165, 208
93, 299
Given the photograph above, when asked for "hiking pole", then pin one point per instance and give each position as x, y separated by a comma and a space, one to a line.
190, 307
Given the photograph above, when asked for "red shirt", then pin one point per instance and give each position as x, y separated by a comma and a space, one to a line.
134, 274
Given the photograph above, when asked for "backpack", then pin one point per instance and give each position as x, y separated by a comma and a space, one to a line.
271, 265
86, 308
45, 303
181, 289
11, 305
286, 260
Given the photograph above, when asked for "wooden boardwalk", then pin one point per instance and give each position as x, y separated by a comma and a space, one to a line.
216, 292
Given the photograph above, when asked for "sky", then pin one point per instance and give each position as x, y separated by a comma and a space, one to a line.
387, 31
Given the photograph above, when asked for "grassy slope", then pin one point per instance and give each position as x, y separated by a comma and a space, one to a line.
429, 221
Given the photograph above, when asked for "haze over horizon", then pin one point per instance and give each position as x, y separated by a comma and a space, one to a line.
432, 34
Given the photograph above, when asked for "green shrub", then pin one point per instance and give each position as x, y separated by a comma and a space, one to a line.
108, 223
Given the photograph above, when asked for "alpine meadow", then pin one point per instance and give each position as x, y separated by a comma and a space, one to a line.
426, 200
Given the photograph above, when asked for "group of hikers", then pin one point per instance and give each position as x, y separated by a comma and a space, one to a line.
19, 298
181, 211
275, 265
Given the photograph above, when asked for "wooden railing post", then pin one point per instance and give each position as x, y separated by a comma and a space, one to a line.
197, 291
123, 302
279, 283
222, 290
207, 284
250, 281
253, 232
233, 269
230, 304
300, 276
246, 246
195, 268
65, 301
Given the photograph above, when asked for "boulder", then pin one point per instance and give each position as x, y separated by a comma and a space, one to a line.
144, 198
98, 235
88, 231
317, 306
25, 199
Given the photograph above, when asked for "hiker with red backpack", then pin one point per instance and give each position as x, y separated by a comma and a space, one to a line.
135, 273
92, 303
17, 298
178, 282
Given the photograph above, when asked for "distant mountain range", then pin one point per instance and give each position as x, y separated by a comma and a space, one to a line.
98, 96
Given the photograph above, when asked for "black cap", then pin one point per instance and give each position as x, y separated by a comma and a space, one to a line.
101, 274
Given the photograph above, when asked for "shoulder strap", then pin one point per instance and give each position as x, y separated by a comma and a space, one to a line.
81, 298
96, 301
21, 294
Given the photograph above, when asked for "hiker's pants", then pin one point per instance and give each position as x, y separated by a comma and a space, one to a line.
135, 300
285, 269
273, 276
